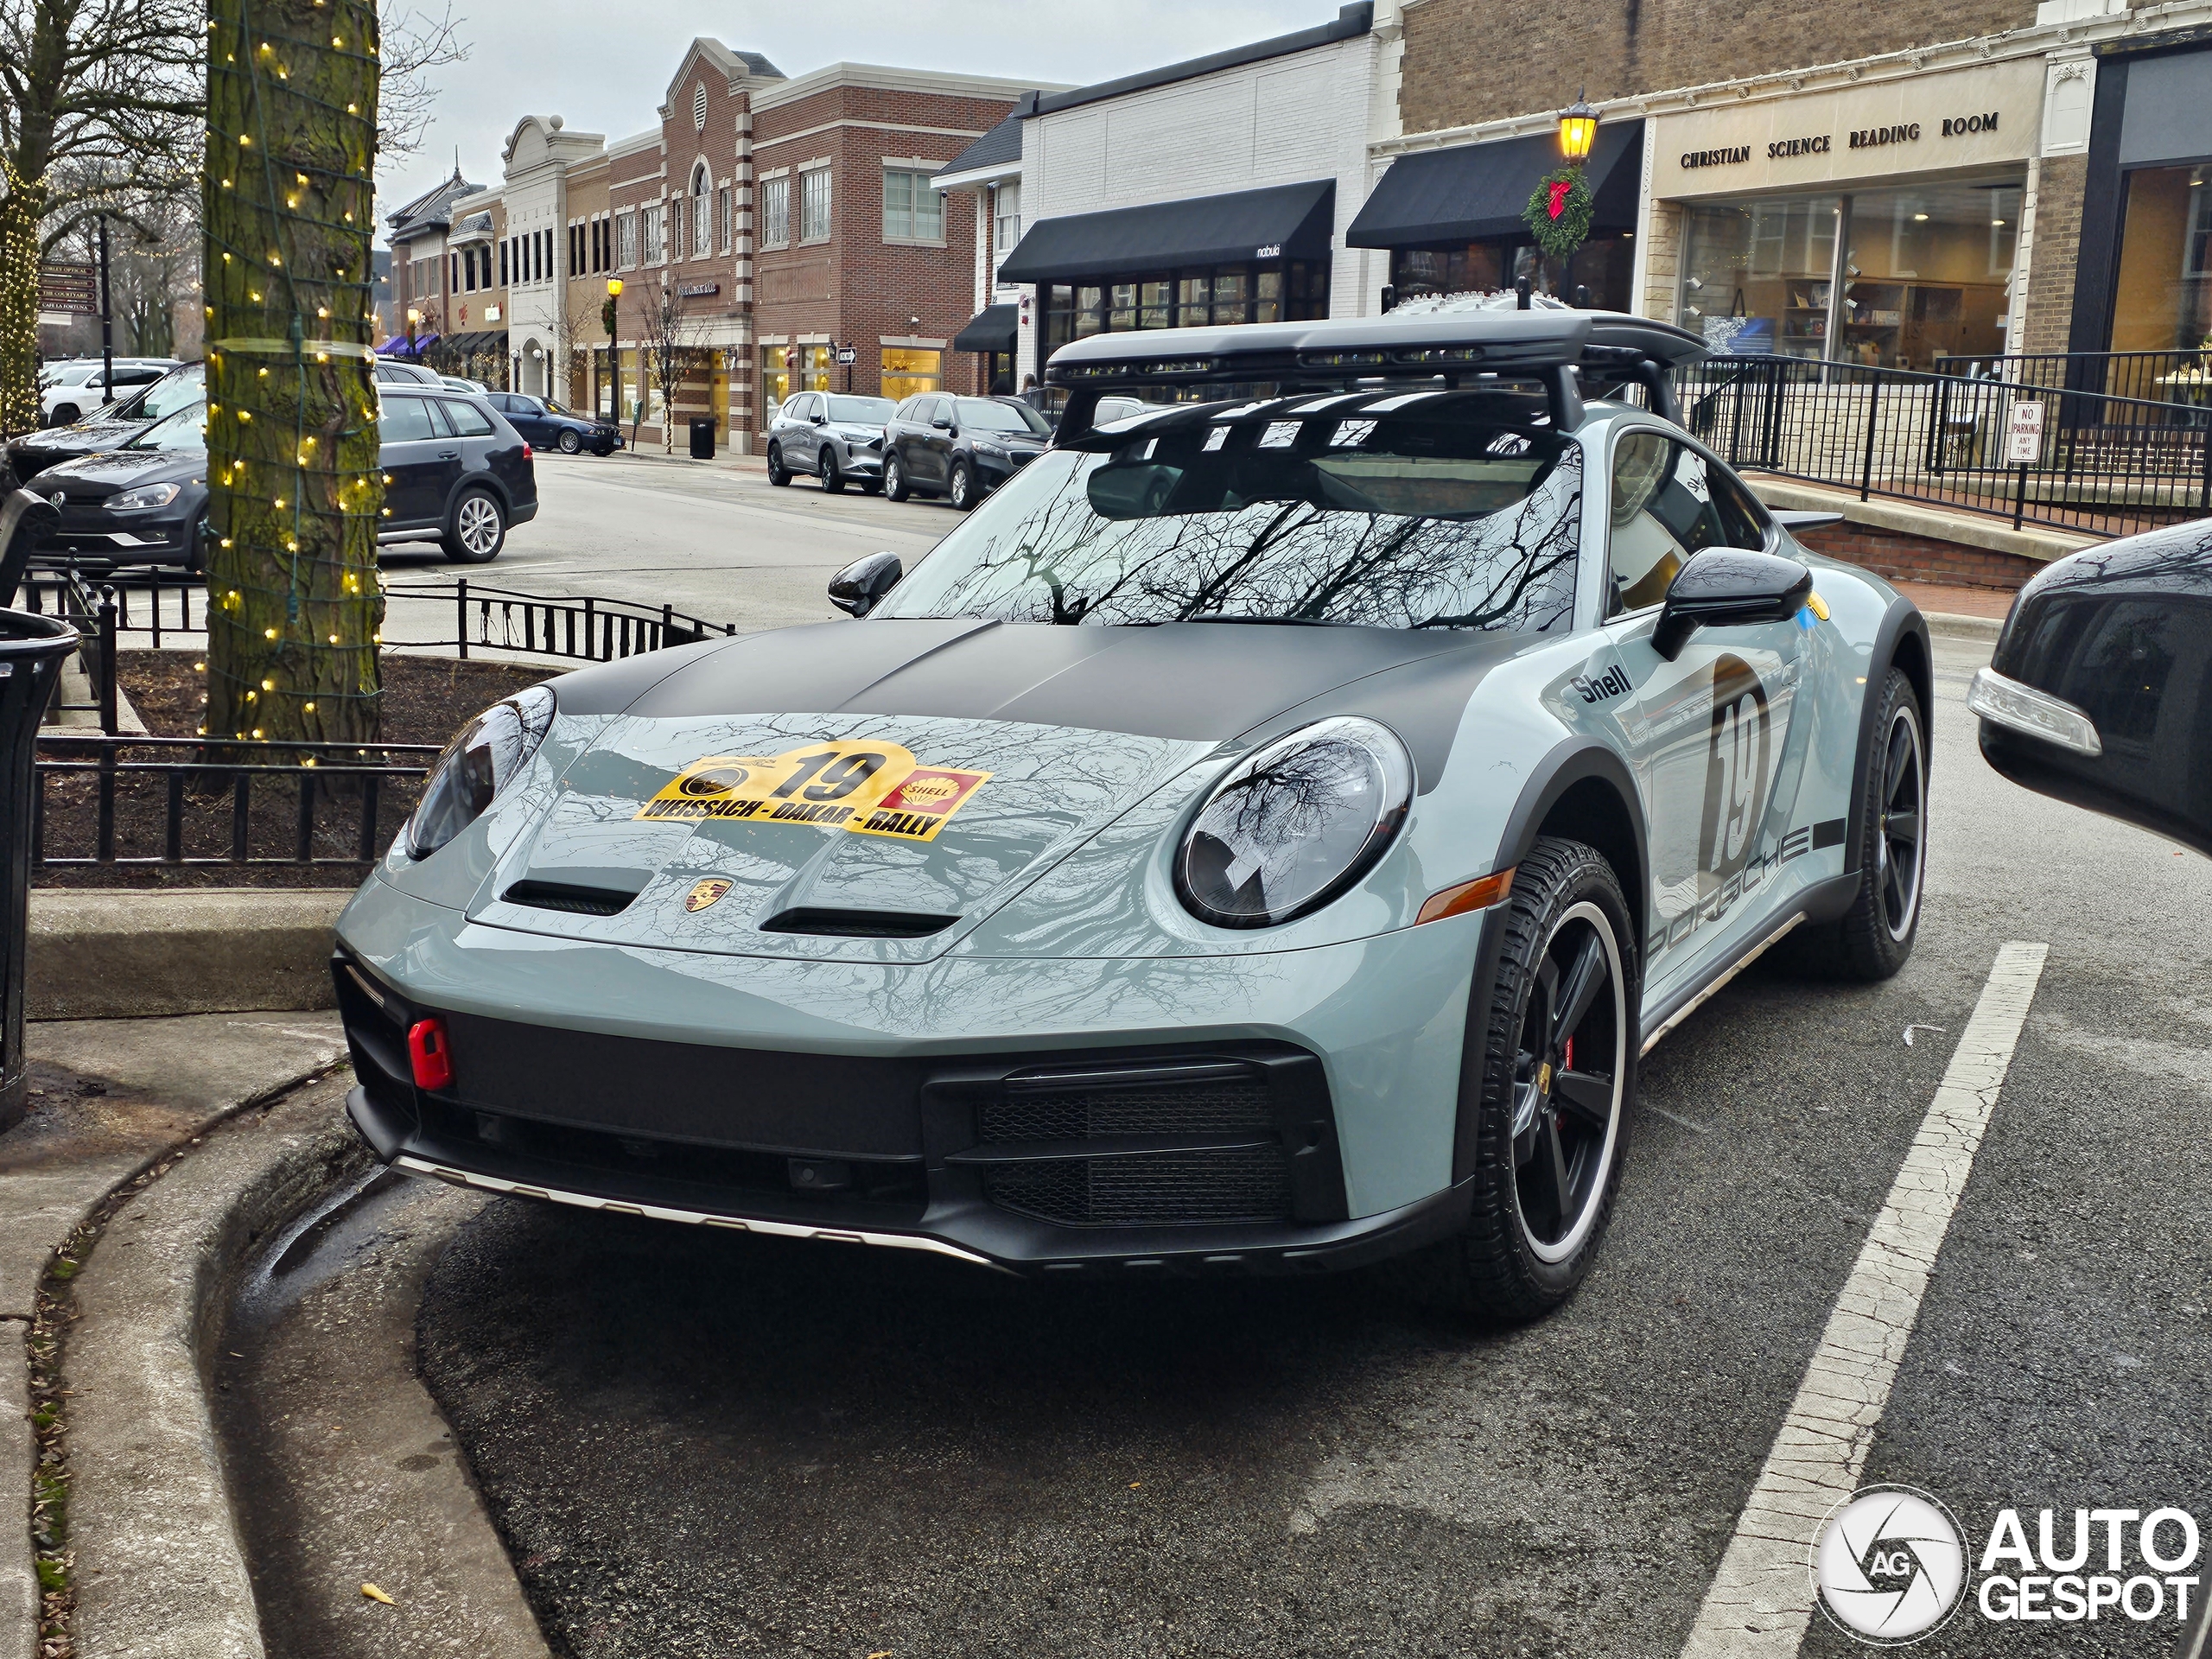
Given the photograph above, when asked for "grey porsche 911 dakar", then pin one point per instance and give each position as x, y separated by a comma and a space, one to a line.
1263, 837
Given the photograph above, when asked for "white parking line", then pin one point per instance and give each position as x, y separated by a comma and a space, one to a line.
1761, 1599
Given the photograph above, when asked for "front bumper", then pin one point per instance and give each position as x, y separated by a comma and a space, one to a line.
159, 536
994, 470
1268, 1115
864, 463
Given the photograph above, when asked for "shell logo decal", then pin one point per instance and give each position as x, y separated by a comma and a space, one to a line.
870, 789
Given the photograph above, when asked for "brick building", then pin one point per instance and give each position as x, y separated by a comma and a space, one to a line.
424, 280
858, 249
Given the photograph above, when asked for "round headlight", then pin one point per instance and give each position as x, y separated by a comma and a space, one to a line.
1294, 824
484, 759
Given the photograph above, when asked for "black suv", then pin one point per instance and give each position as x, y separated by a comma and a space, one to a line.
961, 449
455, 472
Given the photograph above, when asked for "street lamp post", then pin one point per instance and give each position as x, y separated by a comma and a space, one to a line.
608, 315
414, 322
1561, 208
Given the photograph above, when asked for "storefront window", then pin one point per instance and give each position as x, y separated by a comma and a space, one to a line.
1602, 264
2164, 301
1290, 290
907, 369
787, 369
1756, 274
1926, 272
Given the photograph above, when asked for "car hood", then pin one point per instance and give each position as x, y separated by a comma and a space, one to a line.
109, 471
1003, 749
85, 436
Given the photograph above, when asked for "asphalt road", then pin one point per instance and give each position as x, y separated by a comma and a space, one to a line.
698, 1444
720, 544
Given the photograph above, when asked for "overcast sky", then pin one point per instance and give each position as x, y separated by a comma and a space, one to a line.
605, 68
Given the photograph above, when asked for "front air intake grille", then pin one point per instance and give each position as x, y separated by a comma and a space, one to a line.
1153, 1190
857, 924
1237, 1105
561, 895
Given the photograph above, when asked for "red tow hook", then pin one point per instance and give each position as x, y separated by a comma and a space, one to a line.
431, 1055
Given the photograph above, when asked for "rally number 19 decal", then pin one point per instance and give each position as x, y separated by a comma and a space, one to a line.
872, 789
1736, 768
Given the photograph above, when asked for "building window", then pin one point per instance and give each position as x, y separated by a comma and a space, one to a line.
1922, 277
725, 219
776, 213
702, 223
787, 369
629, 240
1295, 290
1005, 223
814, 204
907, 369
1604, 264
911, 211
2164, 300
655, 249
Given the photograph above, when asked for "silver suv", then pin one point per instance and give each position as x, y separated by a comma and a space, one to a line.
832, 435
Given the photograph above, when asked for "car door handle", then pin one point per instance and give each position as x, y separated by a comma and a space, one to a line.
448, 455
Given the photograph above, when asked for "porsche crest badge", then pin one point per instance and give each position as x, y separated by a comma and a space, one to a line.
705, 892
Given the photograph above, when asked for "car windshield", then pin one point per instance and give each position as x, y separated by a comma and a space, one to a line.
861, 411
180, 430
1463, 514
552, 408
70, 374
988, 415
181, 389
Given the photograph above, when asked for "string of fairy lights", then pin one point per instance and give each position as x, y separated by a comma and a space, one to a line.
262, 304
19, 276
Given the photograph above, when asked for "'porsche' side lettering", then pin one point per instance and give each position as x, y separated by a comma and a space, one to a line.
875, 789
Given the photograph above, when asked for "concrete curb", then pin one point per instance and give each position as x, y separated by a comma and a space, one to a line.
1920, 519
1946, 625
160, 1571
99, 953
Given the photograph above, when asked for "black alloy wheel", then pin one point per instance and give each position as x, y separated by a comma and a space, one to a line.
1898, 841
569, 443
778, 475
895, 478
960, 487
833, 476
1566, 1083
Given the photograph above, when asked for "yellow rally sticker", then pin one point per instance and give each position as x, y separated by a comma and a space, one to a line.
872, 789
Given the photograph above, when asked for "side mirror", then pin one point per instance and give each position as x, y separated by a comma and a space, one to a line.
2100, 690
820, 420
942, 424
1729, 587
858, 588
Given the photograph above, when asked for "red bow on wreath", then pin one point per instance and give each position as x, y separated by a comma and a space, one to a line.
1560, 189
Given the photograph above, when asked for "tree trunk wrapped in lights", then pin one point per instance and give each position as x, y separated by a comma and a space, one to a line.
294, 495
22, 208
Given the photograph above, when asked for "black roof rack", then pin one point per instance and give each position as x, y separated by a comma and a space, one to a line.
1540, 345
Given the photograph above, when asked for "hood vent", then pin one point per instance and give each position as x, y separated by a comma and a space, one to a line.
857, 924
577, 901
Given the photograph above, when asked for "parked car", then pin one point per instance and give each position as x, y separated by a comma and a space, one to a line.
81, 395
961, 449
549, 426
455, 473
460, 383
2100, 689
392, 372
1261, 842
831, 436
35, 452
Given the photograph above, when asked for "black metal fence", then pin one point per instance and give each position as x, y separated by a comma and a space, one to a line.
116, 801
2182, 379
2103, 464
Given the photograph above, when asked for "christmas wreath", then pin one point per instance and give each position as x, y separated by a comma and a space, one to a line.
1559, 211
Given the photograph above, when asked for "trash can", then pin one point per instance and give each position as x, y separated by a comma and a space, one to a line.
703, 440
32, 650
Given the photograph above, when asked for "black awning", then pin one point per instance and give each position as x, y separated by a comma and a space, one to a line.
1475, 191
1288, 221
990, 329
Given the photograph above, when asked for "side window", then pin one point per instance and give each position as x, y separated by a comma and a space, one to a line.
527, 406
406, 420
906, 410
1667, 503
467, 420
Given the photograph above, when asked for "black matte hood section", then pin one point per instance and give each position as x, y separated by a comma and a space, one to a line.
1190, 680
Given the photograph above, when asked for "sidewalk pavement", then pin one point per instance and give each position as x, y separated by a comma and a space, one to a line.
108, 1100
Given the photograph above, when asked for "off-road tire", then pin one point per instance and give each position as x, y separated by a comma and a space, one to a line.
778, 475
1865, 944
960, 486
833, 476
894, 479
1492, 1270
